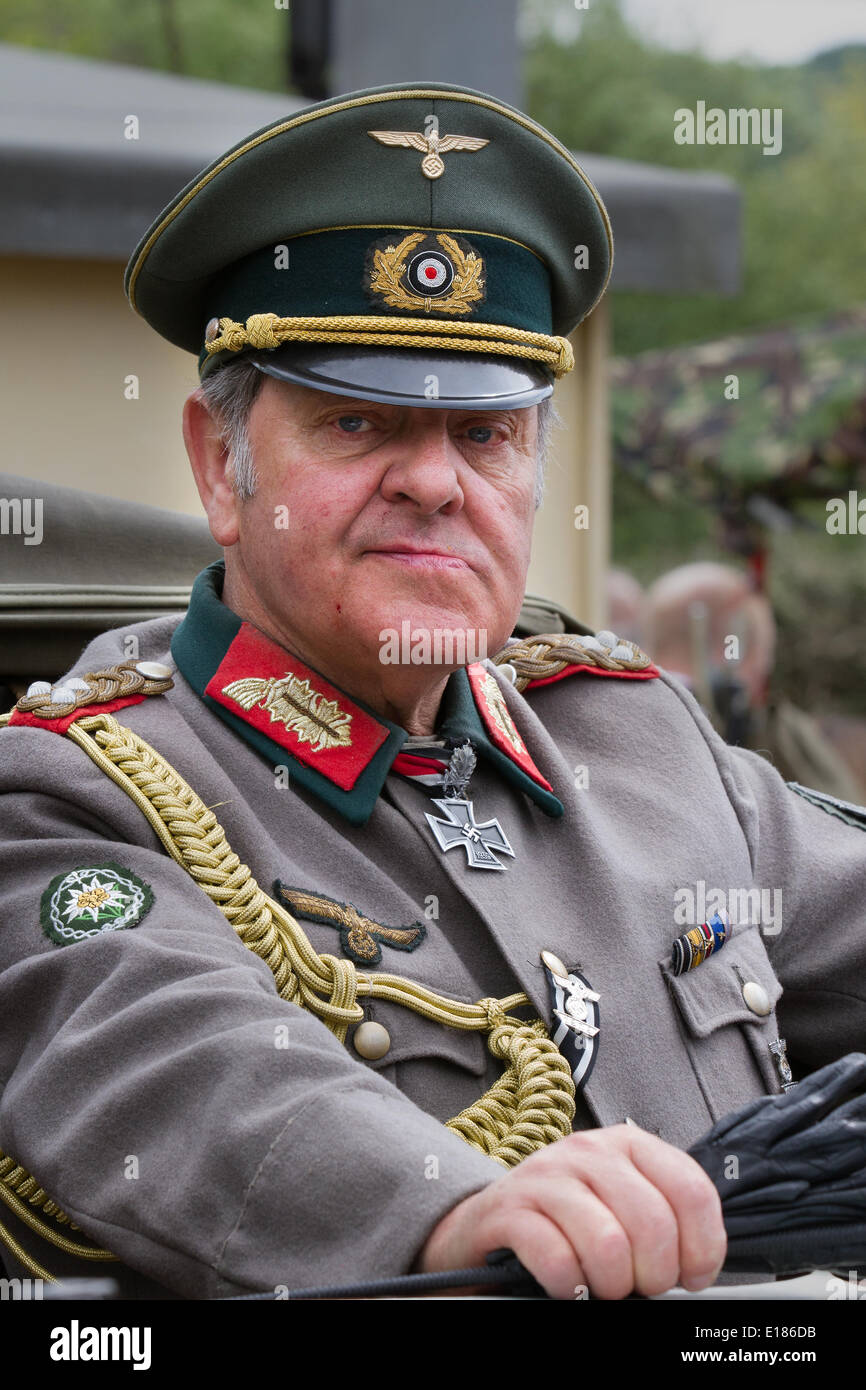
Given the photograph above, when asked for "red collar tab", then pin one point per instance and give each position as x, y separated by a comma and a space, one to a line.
497, 720
274, 692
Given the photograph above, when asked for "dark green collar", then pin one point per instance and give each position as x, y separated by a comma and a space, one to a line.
332, 744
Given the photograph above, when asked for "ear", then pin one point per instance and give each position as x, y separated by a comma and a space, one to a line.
208, 457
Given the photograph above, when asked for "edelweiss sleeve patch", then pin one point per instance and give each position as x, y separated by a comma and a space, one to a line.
91, 900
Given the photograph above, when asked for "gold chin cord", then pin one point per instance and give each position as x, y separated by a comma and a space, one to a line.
532, 1103
267, 331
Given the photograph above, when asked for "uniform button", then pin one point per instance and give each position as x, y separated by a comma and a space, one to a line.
212, 330
371, 1041
756, 998
555, 964
153, 670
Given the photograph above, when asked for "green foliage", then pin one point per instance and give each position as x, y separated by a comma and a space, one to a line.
610, 92
242, 43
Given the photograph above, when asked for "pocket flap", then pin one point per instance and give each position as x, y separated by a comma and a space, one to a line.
711, 995
413, 1036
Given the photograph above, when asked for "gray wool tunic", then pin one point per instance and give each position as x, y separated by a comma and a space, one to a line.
259, 1164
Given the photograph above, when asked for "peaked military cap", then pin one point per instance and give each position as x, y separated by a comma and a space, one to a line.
419, 243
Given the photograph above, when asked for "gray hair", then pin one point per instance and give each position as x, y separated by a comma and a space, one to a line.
548, 419
229, 393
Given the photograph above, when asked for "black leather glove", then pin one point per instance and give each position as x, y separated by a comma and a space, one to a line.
791, 1173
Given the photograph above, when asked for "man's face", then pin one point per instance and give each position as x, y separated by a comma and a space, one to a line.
393, 513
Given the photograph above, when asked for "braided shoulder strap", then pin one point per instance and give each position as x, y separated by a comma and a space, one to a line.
539, 658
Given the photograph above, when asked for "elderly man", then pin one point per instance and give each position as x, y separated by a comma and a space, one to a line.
273, 875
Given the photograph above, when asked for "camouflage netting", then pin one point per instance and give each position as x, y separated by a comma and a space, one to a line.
797, 429
750, 478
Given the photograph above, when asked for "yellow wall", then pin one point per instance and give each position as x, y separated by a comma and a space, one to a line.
569, 564
68, 340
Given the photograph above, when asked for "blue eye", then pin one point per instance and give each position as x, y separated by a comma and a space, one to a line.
350, 423
480, 429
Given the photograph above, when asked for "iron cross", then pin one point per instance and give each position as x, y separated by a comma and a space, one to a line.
461, 829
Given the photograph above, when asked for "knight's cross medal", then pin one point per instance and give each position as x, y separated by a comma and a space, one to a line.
460, 828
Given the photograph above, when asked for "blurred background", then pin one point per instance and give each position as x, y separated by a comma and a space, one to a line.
714, 427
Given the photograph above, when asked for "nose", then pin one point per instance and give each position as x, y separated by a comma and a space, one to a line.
422, 466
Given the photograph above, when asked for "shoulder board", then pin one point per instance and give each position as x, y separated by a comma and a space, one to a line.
833, 805
55, 707
535, 661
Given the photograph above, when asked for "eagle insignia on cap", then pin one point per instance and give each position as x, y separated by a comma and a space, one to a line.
432, 146
445, 277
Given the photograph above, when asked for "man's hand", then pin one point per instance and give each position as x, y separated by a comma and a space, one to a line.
615, 1209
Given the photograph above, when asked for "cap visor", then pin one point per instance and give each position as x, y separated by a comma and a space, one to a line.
407, 376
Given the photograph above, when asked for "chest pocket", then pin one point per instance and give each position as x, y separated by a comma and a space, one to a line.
712, 995
736, 986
